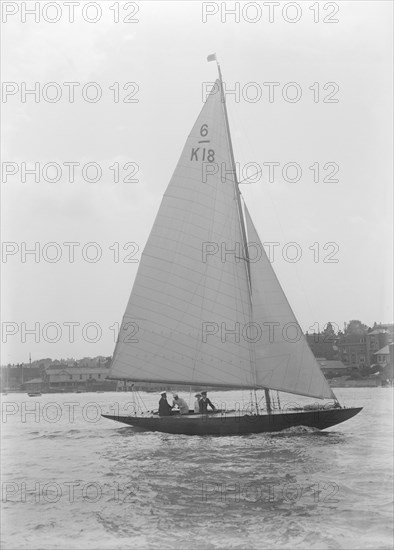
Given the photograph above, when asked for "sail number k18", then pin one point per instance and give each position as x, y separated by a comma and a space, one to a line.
203, 153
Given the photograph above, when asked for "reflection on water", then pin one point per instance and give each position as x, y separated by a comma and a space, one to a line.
97, 484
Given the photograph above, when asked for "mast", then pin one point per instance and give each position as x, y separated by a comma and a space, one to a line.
237, 191
267, 400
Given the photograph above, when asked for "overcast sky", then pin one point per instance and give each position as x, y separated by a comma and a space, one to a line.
164, 55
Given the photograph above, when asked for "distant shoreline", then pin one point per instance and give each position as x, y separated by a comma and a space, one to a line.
366, 383
333, 384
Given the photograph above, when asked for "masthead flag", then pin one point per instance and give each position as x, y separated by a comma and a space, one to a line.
211, 57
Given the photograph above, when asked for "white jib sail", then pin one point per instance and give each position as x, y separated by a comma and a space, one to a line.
283, 358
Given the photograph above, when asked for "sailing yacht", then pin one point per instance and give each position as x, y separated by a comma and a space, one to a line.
189, 299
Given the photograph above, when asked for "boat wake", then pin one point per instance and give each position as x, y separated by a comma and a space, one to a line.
296, 430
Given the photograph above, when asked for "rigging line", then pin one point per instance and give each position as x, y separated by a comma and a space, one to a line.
226, 179
252, 345
255, 174
237, 191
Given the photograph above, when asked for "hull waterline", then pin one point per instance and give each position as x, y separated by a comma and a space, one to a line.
233, 424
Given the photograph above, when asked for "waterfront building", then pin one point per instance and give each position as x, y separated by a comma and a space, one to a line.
332, 368
77, 377
383, 356
376, 340
353, 350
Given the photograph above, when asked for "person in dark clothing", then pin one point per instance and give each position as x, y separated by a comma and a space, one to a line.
165, 408
205, 402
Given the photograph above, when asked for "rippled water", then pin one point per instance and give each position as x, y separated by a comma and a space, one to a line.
74, 480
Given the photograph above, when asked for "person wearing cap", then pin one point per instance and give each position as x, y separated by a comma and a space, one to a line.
182, 405
205, 402
197, 403
165, 408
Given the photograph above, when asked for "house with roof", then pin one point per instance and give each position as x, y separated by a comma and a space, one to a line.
332, 368
376, 340
384, 362
382, 356
61, 377
353, 350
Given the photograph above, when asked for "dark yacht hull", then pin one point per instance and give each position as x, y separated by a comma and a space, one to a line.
233, 424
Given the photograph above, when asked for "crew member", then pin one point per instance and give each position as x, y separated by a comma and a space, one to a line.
205, 402
182, 405
164, 407
197, 403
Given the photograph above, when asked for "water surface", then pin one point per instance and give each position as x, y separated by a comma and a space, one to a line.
74, 480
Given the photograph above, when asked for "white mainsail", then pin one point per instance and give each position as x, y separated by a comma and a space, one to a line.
283, 358
195, 298
182, 301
